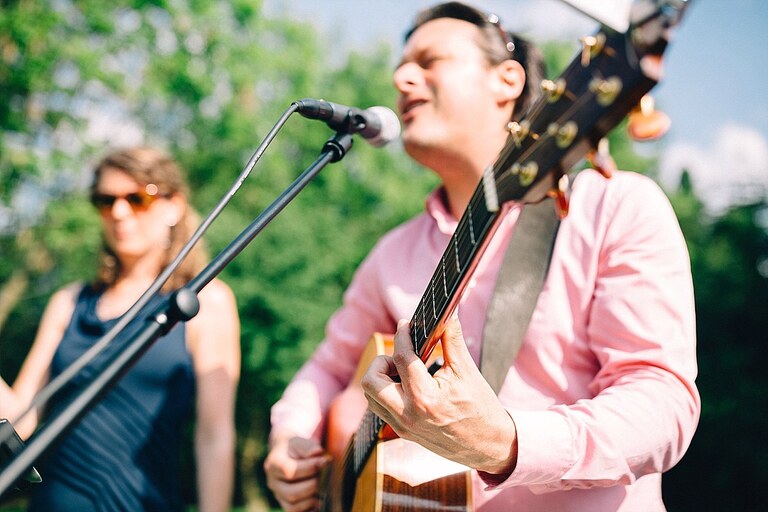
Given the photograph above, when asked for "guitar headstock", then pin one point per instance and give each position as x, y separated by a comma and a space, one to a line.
603, 84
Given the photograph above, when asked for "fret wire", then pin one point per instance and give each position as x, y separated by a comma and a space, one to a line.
471, 226
445, 286
461, 234
414, 331
471, 229
466, 250
442, 302
456, 253
432, 292
451, 276
415, 319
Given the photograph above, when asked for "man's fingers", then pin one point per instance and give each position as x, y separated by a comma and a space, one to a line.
295, 459
293, 467
413, 373
381, 372
302, 448
307, 505
296, 496
381, 387
455, 351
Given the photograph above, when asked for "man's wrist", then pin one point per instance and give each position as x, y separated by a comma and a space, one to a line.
508, 460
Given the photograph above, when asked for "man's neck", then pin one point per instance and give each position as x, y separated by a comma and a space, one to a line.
458, 193
460, 170
460, 179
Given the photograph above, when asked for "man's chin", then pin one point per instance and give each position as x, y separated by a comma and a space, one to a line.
421, 149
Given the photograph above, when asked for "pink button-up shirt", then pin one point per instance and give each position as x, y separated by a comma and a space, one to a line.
602, 390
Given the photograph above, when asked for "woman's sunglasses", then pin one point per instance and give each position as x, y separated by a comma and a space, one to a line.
138, 201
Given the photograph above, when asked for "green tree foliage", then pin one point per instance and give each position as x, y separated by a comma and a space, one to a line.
728, 259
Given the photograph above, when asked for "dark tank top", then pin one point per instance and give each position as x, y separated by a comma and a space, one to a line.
123, 455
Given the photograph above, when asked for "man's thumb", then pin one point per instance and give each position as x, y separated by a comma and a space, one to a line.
454, 347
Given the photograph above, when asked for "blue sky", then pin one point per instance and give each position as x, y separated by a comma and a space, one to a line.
715, 87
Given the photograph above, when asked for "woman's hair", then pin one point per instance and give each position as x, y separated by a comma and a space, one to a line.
149, 165
498, 45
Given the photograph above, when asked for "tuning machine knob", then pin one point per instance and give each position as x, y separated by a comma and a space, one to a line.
647, 123
601, 160
561, 194
519, 131
590, 47
553, 89
606, 90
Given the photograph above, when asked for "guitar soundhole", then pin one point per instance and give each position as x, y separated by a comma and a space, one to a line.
445, 494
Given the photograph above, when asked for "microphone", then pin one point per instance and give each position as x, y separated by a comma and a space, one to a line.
378, 125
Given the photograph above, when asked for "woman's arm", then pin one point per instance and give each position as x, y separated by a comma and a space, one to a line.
214, 342
35, 371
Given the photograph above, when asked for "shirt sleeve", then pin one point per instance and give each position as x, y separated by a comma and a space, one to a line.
641, 330
302, 408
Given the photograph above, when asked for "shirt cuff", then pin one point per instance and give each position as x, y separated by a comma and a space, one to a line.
545, 451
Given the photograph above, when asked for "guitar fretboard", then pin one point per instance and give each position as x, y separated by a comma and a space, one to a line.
453, 269
364, 440
447, 282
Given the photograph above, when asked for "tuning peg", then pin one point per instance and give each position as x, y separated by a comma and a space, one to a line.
647, 123
590, 47
562, 196
601, 160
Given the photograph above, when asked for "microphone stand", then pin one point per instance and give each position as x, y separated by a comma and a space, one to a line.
182, 305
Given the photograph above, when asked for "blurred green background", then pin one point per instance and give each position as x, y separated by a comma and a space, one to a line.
207, 80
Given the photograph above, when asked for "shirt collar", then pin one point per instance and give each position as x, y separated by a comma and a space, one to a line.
437, 209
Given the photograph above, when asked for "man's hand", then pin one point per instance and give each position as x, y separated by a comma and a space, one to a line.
292, 467
455, 414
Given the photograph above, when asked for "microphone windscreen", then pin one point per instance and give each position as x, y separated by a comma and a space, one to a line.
390, 126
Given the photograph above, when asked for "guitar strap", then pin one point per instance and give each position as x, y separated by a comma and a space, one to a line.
521, 278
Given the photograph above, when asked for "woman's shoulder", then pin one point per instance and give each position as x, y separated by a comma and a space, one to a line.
70, 291
63, 300
58, 313
215, 331
216, 301
216, 291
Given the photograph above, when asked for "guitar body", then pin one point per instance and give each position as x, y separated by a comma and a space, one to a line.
393, 477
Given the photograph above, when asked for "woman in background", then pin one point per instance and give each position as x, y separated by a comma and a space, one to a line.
123, 454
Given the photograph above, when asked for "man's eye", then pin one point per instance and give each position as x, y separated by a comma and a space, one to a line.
428, 62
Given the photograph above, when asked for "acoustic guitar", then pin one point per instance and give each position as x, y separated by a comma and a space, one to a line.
604, 83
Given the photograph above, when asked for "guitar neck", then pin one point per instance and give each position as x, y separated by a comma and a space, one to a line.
452, 274
364, 441
468, 242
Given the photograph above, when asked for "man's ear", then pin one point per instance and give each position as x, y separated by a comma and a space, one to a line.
511, 81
